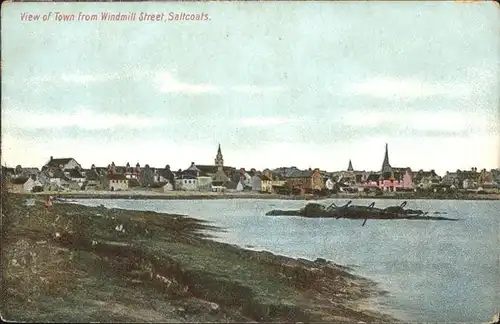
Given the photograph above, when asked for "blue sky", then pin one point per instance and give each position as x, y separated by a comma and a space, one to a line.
276, 84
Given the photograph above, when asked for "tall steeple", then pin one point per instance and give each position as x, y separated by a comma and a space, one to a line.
219, 161
386, 167
350, 168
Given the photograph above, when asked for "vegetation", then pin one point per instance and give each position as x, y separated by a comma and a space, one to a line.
78, 263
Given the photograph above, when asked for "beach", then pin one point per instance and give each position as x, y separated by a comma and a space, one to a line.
78, 263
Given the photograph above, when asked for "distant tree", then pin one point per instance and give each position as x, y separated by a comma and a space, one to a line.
146, 178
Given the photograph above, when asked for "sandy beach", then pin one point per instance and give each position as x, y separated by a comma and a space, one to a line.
78, 263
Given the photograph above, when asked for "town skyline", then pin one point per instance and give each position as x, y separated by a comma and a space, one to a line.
350, 163
422, 77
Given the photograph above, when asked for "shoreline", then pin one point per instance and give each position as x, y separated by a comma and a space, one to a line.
98, 264
185, 195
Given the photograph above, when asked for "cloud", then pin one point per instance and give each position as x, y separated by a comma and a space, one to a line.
254, 89
418, 121
168, 84
264, 121
76, 78
82, 118
164, 82
407, 88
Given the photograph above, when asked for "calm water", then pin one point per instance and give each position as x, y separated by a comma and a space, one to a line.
433, 270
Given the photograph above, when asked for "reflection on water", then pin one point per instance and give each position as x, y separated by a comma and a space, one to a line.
433, 270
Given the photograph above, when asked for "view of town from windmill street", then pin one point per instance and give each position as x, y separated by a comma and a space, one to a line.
250, 161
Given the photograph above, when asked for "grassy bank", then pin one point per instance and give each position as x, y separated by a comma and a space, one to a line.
80, 263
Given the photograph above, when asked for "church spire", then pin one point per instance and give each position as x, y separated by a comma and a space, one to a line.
386, 167
350, 168
219, 160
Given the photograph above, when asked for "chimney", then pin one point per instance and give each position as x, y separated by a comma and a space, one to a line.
51, 157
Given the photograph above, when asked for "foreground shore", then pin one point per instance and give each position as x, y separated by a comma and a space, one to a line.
190, 195
81, 264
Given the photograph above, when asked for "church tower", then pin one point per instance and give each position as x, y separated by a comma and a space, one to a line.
219, 161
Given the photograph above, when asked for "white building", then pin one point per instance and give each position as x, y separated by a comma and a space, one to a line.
266, 184
117, 182
22, 185
329, 184
186, 184
256, 182
63, 163
168, 187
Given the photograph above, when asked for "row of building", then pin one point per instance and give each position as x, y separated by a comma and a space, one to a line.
67, 174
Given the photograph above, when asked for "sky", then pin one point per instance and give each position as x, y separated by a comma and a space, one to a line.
302, 84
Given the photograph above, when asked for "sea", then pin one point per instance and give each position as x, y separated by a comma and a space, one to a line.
433, 271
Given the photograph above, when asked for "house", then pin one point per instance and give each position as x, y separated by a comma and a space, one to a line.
57, 180
130, 172
188, 179
485, 178
266, 184
468, 179
187, 184
22, 184
191, 172
62, 163
244, 178
469, 183
307, 181
273, 182
451, 179
77, 175
426, 179
117, 182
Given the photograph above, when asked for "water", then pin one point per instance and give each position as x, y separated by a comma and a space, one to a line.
433, 270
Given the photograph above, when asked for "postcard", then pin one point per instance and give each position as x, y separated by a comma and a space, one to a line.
248, 161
